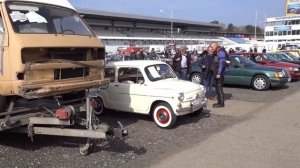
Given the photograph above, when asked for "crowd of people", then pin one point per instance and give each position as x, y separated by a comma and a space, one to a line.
212, 62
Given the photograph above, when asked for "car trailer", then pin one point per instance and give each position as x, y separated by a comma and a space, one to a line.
60, 121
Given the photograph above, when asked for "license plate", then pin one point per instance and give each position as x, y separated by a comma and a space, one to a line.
196, 101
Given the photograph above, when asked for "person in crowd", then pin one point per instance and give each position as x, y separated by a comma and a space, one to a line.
231, 51
207, 63
133, 55
195, 52
219, 73
264, 50
167, 53
255, 49
177, 63
205, 52
152, 55
141, 55
250, 50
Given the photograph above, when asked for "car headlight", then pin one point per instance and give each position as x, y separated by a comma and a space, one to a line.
279, 74
181, 97
293, 69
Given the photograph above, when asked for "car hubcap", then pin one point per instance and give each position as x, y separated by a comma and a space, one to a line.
163, 116
259, 83
196, 79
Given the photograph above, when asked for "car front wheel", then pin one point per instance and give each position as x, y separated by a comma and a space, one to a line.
260, 83
196, 78
163, 115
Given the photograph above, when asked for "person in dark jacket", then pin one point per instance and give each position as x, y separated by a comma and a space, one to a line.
177, 63
207, 63
133, 55
219, 73
152, 55
142, 55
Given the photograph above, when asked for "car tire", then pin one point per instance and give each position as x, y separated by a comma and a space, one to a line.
163, 115
260, 83
196, 78
98, 107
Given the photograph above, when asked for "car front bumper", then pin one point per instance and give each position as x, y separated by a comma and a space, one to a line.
276, 82
192, 106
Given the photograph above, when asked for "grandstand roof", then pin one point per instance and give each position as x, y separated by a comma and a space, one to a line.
93, 14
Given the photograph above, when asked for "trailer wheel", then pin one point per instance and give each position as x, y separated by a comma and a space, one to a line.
98, 106
2, 103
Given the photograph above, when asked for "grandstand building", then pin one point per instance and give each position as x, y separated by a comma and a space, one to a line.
117, 30
124, 30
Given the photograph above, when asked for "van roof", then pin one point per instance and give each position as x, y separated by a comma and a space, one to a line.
62, 3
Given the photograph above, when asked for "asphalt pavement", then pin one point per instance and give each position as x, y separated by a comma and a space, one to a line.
270, 139
148, 145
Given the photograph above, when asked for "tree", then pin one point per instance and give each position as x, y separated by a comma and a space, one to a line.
230, 28
249, 29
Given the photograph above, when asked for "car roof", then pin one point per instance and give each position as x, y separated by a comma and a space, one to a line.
136, 63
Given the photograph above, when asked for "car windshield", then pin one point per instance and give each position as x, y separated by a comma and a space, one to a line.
292, 56
270, 58
241, 60
159, 72
45, 19
279, 56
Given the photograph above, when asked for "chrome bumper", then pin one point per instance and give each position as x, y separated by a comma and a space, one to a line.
192, 107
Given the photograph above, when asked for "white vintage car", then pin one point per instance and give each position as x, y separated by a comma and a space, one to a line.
149, 87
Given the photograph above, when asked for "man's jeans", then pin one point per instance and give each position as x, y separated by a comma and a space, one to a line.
208, 84
219, 90
182, 74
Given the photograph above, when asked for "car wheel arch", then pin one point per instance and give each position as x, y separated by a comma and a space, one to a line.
155, 103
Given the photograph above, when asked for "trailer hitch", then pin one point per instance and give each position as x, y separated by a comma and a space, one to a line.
120, 132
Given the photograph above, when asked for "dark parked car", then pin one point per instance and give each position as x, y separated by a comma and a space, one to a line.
245, 72
284, 58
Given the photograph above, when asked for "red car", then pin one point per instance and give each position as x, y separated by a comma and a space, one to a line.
267, 60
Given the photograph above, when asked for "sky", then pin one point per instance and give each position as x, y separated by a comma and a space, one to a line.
237, 12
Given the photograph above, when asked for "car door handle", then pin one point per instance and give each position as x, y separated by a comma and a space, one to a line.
116, 85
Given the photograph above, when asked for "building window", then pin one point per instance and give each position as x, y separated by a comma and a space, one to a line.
294, 32
275, 33
284, 33
280, 33
289, 32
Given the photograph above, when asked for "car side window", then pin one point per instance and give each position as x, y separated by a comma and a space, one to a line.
110, 73
130, 76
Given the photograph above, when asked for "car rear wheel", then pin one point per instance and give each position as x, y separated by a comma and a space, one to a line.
163, 115
261, 83
196, 78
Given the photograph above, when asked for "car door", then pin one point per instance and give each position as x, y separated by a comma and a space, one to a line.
110, 94
237, 74
131, 91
